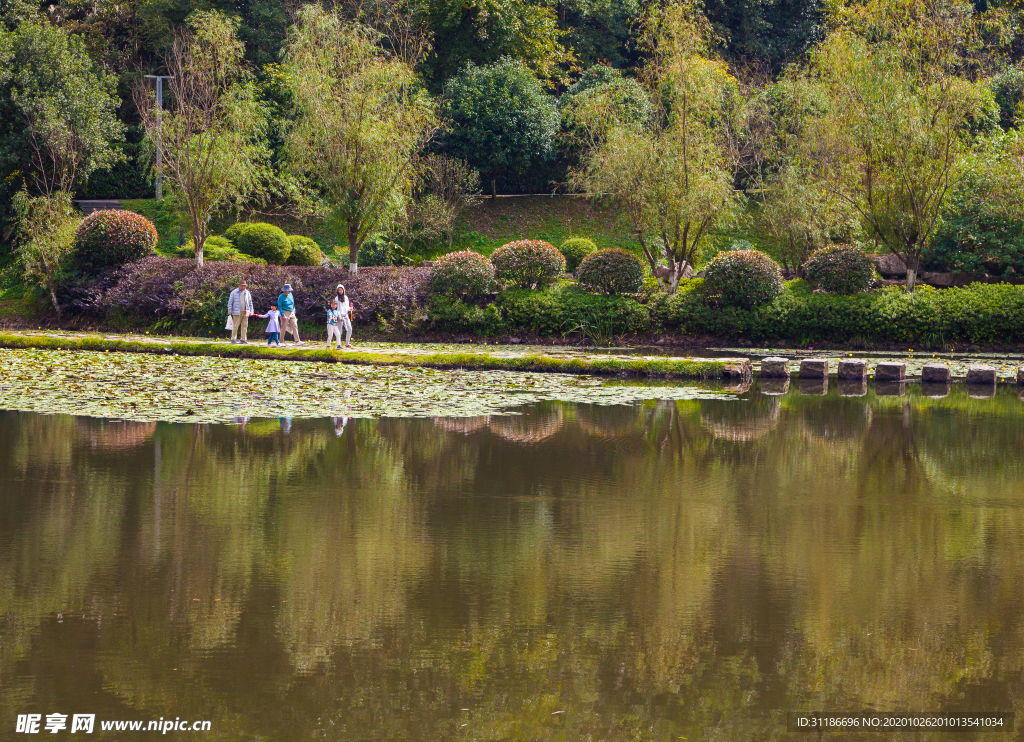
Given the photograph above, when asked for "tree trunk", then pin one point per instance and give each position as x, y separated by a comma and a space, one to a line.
494, 186
913, 264
353, 253
53, 294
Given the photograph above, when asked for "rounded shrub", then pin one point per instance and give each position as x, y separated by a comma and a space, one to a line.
840, 269
261, 240
112, 237
611, 271
575, 249
743, 278
304, 251
465, 274
528, 264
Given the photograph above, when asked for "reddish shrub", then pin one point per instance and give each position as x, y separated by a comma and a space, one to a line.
528, 264
112, 237
611, 271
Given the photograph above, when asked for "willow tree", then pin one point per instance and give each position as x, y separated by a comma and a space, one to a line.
673, 178
360, 121
212, 139
899, 110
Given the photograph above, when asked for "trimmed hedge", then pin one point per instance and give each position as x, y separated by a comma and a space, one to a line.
304, 251
465, 275
840, 269
112, 237
528, 264
575, 249
611, 271
261, 240
742, 278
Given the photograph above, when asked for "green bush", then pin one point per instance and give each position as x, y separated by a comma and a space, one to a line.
575, 249
219, 249
840, 269
527, 264
261, 240
379, 251
568, 311
112, 237
465, 275
611, 271
742, 278
304, 251
449, 314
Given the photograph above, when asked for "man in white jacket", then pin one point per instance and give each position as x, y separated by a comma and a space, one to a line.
240, 307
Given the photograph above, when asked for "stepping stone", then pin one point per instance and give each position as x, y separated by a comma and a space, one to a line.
935, 373
774, 368
774, 387
814, 368
890, 388
852, 369
814, 387
853, 387
981, 375
890, 371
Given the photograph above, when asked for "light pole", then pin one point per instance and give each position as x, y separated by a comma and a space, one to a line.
160, 107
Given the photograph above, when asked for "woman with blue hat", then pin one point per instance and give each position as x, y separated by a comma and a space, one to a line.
286, 306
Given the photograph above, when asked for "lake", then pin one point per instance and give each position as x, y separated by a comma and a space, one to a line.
678, 568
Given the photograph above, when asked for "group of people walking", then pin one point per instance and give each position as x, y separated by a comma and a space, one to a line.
282, 318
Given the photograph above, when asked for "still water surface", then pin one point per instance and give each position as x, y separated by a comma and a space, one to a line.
657, 571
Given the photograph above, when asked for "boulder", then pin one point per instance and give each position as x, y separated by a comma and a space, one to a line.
938, 280
852, 369
814, 368
775, 368
738, 369
889, 266
891, 371
935, 373
978, 375
1020, 376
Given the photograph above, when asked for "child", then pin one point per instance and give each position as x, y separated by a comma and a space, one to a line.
274, 326
333, 325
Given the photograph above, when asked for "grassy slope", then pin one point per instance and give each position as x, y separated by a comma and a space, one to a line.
660, 367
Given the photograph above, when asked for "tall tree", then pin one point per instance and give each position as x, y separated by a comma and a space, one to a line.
898, 120
674, 177
499, 119
212, 139
57, 111
360, 120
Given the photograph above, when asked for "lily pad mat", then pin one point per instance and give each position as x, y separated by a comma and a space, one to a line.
515, 358
145, 387
1005, 364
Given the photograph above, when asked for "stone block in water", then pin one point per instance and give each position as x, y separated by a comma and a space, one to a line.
935, 373
814, 368
981, 375
852, 369
774, 368
890, 371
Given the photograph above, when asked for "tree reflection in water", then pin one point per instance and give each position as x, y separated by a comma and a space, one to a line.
669, 569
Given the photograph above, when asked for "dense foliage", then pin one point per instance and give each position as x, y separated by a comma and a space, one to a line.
112, 237
611, 271
464, 275
261, 240
574, 250
527, 264
743, 278
840, 269
304, 251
